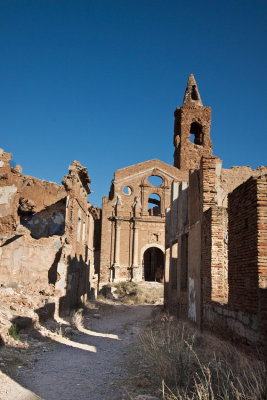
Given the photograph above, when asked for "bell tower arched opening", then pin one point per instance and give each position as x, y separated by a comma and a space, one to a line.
153, 263
196, 134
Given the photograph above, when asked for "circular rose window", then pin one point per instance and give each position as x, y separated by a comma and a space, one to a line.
127, 190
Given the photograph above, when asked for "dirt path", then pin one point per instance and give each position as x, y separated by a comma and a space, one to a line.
87, 367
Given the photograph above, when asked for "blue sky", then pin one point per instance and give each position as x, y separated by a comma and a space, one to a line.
98, 81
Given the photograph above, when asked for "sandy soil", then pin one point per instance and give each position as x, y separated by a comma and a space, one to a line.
88, 366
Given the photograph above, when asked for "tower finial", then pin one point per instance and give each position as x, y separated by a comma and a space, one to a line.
192, 95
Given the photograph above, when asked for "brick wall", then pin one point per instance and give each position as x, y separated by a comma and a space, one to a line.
262, 254
248, 254
214, 236
241, 314
243, 269
208, 190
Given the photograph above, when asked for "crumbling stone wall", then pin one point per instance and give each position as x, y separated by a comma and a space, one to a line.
47, 233
24, 260
22, 196
75, 270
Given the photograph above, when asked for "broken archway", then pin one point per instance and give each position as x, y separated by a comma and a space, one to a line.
153, 264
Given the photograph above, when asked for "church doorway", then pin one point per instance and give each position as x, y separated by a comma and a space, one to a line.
153, 264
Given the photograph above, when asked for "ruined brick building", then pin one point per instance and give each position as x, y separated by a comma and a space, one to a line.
200, 228
216, 233
47, 233
133, 222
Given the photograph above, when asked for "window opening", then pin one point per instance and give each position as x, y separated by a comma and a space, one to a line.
127, 190
83, 232
173, 265
196, 134
155, 180
193, 92
184, 261
79, 225
154, 204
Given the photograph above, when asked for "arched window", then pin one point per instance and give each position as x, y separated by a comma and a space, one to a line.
154, 204
155, 180
196, 134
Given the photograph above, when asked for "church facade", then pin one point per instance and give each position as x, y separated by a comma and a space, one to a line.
133, 222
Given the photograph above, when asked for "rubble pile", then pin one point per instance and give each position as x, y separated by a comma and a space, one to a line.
22, 309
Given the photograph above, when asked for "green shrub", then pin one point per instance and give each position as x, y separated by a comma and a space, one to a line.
13, 332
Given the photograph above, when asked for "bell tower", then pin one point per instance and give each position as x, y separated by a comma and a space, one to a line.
191, 129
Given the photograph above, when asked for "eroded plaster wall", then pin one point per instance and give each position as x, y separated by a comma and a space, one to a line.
47, 233
26, 262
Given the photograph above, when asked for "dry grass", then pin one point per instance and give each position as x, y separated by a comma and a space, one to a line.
139, 293
188, 365
77, 319
91, 305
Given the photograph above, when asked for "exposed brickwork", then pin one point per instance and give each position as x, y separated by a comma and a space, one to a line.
234, 313
225, 225
214, 250
192, 118
247, 252
262, 231
243, 270
208, 190
262, 255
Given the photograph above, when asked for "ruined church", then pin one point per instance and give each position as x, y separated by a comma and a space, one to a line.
197, 227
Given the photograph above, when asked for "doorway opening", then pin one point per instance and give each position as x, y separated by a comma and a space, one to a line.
153, 264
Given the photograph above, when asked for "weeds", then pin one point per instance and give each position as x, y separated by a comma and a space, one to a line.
77, 320
13, 332
91, 305
191, 366
126, 289
139, 293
